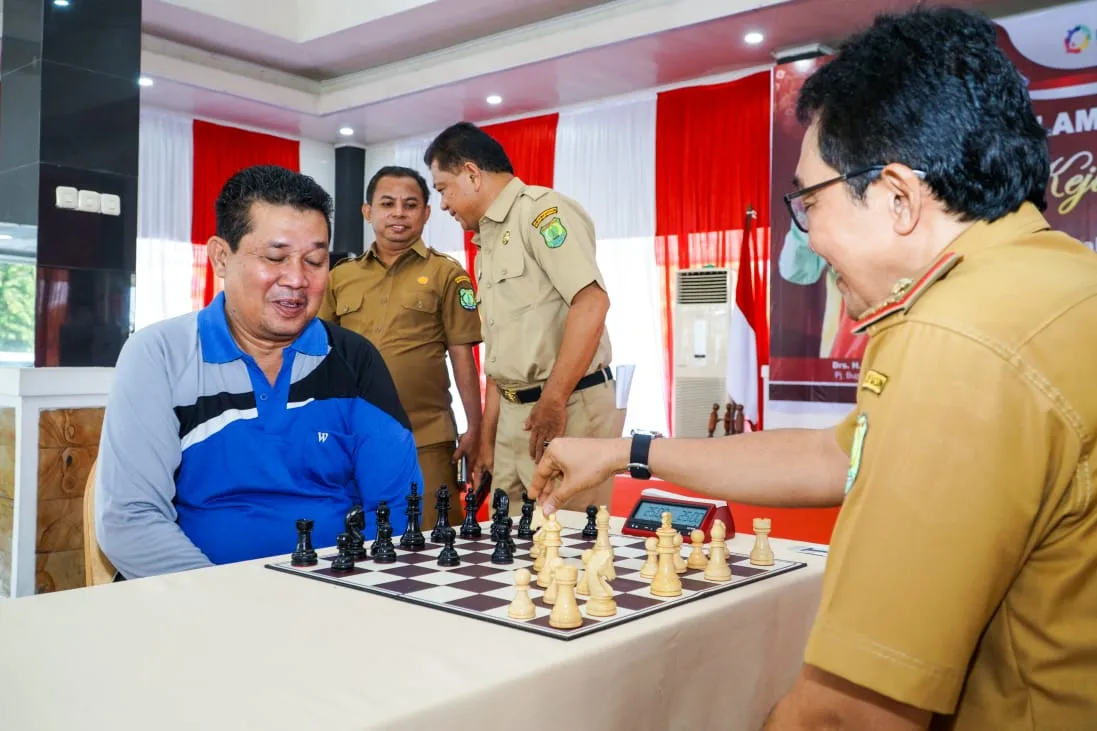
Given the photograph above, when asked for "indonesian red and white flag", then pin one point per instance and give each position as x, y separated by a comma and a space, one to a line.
744, 374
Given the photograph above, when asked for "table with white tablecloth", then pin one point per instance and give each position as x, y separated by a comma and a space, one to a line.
243, 647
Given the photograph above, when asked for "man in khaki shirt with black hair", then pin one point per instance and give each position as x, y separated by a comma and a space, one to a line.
416, 305
961, 587
543, 304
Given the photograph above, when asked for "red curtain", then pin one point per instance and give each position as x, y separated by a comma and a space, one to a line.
219, 152
712, 157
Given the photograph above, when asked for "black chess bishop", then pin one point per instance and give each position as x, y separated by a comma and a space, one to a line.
413, 539
470, 528
441, 504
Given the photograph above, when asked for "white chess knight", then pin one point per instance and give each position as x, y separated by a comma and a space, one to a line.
601, 602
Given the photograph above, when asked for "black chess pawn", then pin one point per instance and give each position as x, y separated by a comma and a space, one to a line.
508, 526
343, 562
413, 539
442, 506
304, 555
448, 556
525, 523
590, 530
383, 513
382, 549
470, 528
504, 502
502, 553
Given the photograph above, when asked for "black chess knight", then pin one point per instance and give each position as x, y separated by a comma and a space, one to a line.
442, 506
413, 539
355, 523
304, 555
470, 528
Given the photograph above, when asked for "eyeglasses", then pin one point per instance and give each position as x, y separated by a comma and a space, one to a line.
795, 201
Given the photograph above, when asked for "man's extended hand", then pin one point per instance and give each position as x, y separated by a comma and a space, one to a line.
468, 446
570, 466
546, 421
485, 462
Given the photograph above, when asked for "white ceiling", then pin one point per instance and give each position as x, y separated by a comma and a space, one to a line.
392, 69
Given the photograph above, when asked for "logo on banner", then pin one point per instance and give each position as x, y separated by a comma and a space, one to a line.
1077, 39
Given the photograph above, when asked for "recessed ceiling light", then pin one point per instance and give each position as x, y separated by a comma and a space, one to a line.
754, 38
144, 81
495, 99
346, 131
5, 237
61, 3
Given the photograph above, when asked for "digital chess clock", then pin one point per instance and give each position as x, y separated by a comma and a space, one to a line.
686, 514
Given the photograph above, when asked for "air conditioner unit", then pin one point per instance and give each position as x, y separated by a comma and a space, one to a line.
701, 324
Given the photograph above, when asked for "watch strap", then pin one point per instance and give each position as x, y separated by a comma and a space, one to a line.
638, 456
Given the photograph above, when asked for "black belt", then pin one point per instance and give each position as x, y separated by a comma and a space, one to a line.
529, 395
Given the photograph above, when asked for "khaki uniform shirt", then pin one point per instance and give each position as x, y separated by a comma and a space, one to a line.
962, 576
536, 252
412, 311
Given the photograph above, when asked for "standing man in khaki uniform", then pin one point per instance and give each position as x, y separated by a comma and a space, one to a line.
543, 305
960, 588
416, 305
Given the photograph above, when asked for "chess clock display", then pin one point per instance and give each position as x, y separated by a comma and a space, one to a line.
687, 514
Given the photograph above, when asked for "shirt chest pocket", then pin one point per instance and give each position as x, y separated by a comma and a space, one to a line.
508, 263
421, 304
350, 311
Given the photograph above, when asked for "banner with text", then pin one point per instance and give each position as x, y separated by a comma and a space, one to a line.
813, 354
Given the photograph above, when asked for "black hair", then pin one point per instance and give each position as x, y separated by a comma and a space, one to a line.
931, 89
396, 171
270, 184
465, 142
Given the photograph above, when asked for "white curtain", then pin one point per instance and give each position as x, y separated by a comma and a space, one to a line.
605, 159
377, 157
442, 231
165, 257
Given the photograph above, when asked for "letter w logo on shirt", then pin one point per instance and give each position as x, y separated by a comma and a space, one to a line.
322, 436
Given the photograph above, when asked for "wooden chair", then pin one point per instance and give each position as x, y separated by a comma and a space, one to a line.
97, 567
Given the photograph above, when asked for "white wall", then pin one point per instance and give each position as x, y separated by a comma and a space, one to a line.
318, 162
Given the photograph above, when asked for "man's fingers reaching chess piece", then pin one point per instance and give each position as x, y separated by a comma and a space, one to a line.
571, 466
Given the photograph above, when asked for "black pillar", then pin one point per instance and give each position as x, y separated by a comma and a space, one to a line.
69, 117
350, 194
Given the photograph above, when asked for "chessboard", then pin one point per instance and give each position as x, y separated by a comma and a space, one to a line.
481, 589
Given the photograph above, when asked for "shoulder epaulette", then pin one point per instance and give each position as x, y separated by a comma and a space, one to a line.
907, 292
535, 192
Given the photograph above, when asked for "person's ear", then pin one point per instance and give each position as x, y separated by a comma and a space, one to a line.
218, 251
367, 212
905, 197
476, 176
426, 214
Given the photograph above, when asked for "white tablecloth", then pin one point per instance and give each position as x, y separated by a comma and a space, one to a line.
243, 647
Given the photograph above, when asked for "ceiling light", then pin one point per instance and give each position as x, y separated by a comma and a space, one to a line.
5, 237
494, 99
61, 3
144, 81
346, 131
753, 38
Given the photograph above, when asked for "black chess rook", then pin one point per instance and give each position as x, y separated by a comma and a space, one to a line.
304, 555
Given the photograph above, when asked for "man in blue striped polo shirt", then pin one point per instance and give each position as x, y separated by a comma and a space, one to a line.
225, 426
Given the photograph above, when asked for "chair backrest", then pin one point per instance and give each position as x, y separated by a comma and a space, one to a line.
97, 567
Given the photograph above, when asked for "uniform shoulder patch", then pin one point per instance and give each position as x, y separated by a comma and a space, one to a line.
462, 278
554, 233
874, 381
543, 215
466, 296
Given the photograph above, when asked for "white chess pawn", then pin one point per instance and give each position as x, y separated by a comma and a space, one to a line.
717, 568
679, 562
522, 606
697, 559
551, 569
647, 571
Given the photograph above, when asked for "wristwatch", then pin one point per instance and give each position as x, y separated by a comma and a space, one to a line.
638, 455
